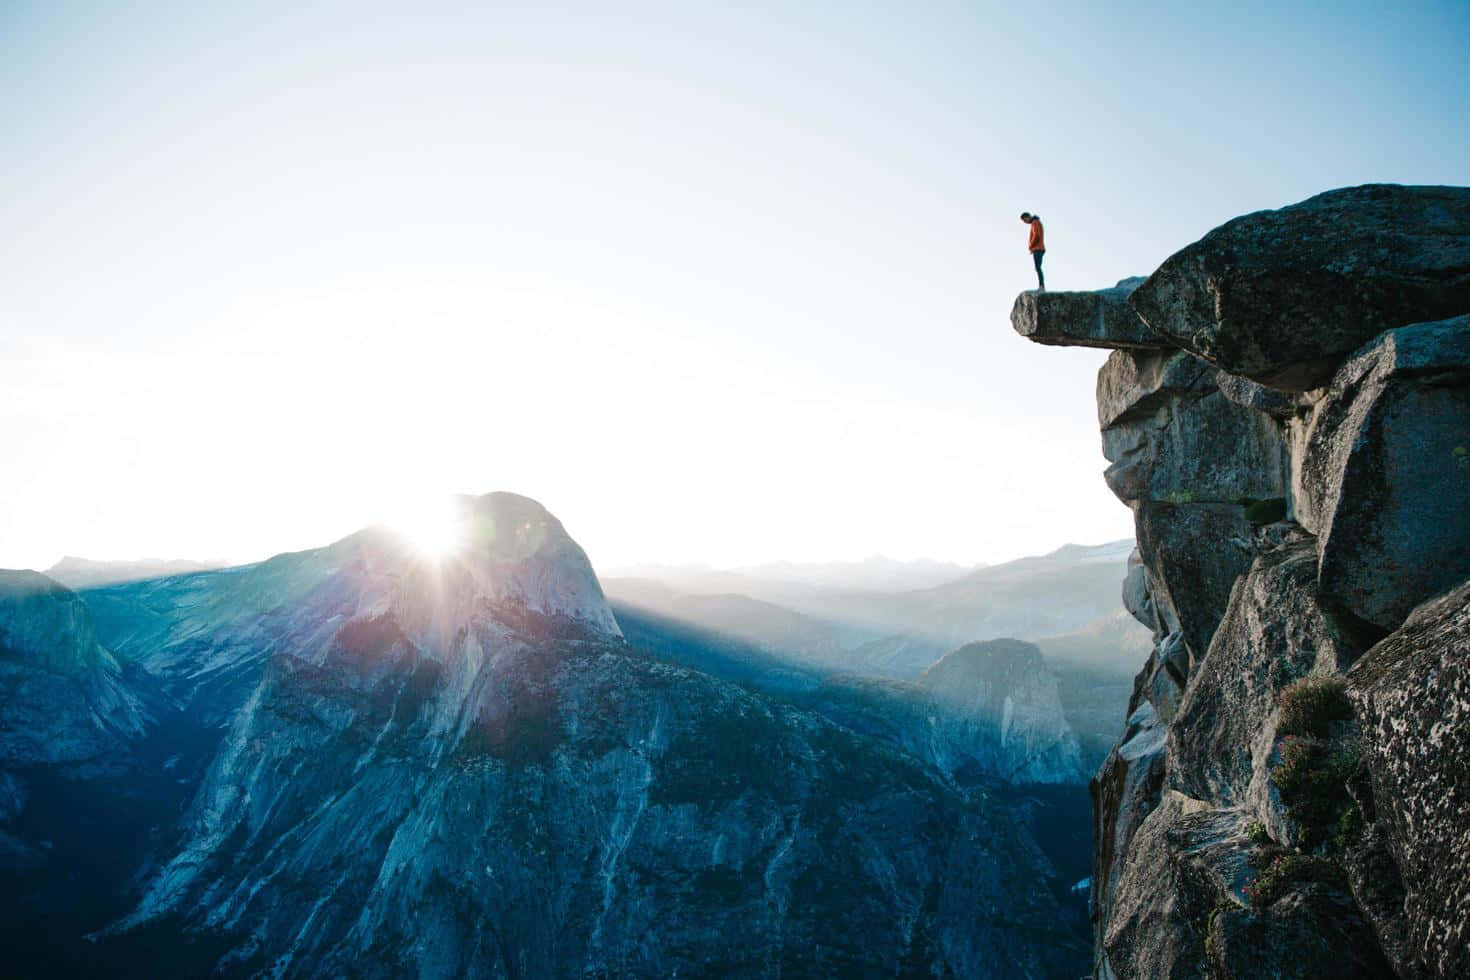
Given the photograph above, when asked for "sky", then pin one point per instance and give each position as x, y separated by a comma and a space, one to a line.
716, 283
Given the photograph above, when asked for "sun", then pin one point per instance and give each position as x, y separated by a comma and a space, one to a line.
434, 528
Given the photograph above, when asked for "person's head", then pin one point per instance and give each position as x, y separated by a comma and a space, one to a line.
1027, 217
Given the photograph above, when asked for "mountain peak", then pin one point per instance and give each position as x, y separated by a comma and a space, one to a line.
513, 553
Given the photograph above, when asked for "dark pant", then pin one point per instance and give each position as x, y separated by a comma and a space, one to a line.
1040, 279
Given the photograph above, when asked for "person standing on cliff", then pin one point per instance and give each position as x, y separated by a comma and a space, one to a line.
1037, 246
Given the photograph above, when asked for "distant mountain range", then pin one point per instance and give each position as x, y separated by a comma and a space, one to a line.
85, 573
791, 624
358, 760
1029, 598
876, 573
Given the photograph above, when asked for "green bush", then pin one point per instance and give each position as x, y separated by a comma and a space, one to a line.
1312, 778
1309, 706
1255, 832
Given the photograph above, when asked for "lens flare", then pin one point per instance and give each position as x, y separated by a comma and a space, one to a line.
434, 528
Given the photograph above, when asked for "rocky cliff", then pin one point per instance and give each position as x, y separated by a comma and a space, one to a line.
1287, 414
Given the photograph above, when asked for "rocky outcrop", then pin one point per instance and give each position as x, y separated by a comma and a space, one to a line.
1101, 318
1294, 461
1282, 297
1183, 455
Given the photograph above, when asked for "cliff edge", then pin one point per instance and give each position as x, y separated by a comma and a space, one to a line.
1286, 411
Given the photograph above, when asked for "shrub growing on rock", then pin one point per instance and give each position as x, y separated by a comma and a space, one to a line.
1312, 778
1310, 705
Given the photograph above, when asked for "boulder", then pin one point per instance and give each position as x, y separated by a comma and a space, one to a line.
1096, 318
1385, 470
1281, 297
1273, 633
1412, 698
1194, 553
1171, 434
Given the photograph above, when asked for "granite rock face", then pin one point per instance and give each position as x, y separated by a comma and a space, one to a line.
1413, 697
1196, 552
1287, 797
1172, 435
1274, 632
1136, 598
1386, 471
1282, 297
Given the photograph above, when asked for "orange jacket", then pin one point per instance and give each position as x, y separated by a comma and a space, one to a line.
1037, 243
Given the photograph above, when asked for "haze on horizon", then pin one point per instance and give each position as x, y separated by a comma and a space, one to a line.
716, 286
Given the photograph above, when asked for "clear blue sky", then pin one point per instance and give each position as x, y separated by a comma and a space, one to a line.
713, 282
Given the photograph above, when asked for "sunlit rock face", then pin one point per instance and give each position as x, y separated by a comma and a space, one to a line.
1297, 474
456, 768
